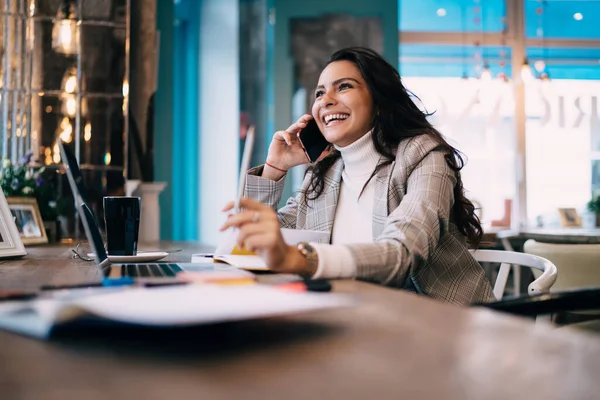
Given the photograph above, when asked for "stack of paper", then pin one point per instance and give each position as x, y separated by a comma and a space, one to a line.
164, 306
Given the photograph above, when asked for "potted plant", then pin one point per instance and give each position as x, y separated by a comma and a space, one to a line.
21, 180
594, 206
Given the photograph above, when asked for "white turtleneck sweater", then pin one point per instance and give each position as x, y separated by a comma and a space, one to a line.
353, 221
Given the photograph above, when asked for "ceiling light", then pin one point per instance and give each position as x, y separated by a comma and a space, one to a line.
578, 16
539, 65
441, 12
65, 32
486, 75
526, 73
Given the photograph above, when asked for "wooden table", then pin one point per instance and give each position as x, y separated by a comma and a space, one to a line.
557, 235
394, 345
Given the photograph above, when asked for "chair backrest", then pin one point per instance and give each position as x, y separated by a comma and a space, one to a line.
578, 264
506, 258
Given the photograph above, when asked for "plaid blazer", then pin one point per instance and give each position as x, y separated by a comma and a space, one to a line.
416, 246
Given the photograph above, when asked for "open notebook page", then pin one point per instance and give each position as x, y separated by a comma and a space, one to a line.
229, 253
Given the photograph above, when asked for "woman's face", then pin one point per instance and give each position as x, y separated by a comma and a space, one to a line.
343, 106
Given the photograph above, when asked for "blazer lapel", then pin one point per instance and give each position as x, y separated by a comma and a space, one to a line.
321, 212
380, 198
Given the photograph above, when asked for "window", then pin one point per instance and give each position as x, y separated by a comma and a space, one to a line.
562, 127
453, 60
451, 15
479, 123
562, 19
475, 115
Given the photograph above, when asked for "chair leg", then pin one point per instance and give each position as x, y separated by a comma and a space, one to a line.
516, 269
500, 284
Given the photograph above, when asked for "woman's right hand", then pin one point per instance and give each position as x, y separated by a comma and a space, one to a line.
285, 150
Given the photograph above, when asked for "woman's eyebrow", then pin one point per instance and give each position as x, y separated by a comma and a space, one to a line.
338, 81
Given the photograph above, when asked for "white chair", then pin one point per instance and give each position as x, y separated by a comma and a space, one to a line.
579, 264
507, 258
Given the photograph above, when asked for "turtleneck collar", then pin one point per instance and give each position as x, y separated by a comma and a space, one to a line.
361, 157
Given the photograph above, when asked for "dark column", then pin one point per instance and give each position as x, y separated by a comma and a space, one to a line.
142, 86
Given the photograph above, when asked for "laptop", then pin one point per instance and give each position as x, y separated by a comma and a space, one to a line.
146, 272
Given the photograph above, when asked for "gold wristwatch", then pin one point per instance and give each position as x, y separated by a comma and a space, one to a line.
311, 256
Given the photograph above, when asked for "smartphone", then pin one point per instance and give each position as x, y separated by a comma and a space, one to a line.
312, 140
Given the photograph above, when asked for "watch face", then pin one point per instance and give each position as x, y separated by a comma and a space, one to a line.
311, 256
306, 248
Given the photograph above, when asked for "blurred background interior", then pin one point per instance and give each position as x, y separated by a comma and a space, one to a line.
159, 93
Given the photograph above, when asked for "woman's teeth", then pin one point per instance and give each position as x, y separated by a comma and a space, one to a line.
334, 117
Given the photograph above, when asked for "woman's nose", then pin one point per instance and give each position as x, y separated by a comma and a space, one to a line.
327, 99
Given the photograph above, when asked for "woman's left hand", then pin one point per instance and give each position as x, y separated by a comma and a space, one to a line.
259, 232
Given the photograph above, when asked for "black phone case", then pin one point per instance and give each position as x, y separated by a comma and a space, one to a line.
313, 140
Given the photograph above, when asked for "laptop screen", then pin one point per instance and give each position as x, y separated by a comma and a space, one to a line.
92, 232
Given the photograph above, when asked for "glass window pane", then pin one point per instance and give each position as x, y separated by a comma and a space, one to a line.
563, 138
451, 15
98, 10
453, 61
477, 117
566, 63
562, 19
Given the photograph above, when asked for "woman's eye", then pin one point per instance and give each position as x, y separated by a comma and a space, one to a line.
318, 94
344, 86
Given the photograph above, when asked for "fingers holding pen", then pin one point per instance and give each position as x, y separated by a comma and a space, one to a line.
253, 212
255, 237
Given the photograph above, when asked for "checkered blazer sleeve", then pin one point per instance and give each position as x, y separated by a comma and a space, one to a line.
412, 231
269, 192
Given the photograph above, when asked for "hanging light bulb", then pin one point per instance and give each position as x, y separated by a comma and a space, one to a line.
70, 88
125, 88
87, 131
539, 65
65, 130
56, 153
65, 32
486, 75
526, 73
69, 81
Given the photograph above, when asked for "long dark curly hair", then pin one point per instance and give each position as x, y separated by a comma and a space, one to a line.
396, 118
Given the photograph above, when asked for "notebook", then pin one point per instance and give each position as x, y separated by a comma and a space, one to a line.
228, 253
159, 306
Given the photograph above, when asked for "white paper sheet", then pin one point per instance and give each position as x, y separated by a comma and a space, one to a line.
168, 306
197, 304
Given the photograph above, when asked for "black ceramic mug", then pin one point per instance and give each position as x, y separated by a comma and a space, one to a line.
122, 220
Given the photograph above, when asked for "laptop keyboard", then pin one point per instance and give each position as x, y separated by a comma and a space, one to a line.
150, 270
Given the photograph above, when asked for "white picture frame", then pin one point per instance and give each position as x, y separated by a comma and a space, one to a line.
28, 220
11, 245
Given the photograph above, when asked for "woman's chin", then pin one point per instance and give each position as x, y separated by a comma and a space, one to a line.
334, 136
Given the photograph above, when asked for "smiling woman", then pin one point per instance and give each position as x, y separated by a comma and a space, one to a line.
343, 106
389, 195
